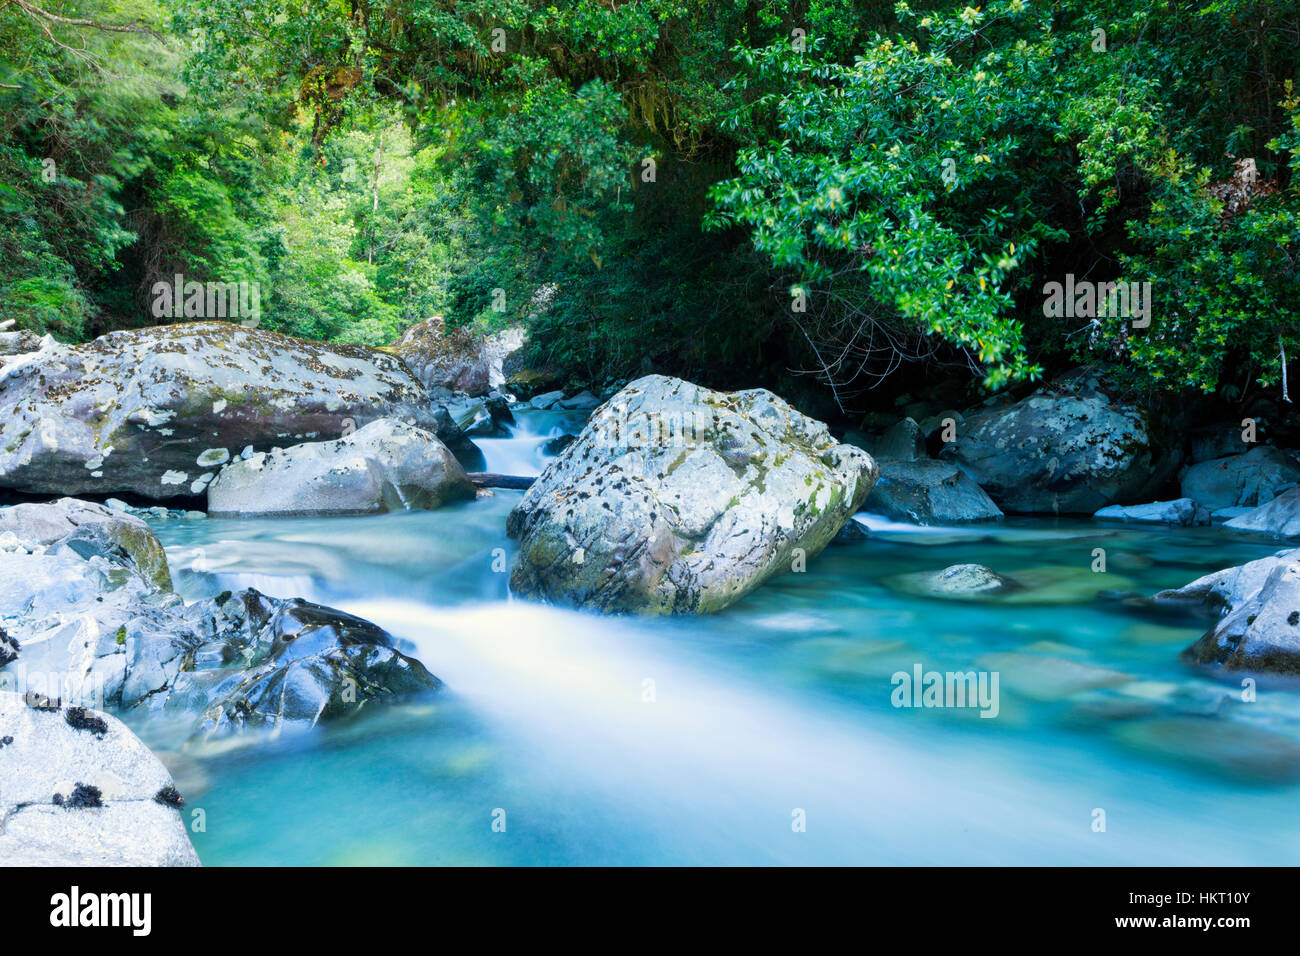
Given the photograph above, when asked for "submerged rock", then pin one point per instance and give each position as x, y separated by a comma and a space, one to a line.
1279, 517
1221, 748
1048, 678
677, 499
158, 411
1245, 480
928, 492
1182, 511
1066, 450
83, 797
385, 466
958, 582
968, 579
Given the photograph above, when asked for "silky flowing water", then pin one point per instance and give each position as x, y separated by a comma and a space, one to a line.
764, 734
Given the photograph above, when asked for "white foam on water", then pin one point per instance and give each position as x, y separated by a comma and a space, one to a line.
719, 767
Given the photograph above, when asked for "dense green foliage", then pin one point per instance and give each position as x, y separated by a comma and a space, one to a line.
732, 191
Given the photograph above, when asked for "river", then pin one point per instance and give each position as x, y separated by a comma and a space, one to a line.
765, 734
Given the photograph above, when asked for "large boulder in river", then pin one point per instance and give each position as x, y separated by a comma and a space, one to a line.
1242, 481
77, 788
385, 466
928, 492
1259, 604
157, 411
676, 499
1064, 450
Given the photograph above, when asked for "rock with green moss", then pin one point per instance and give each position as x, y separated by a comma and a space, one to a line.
89, 529
676, 499
159, 411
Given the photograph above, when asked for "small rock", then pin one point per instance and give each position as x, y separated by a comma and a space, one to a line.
1182, 511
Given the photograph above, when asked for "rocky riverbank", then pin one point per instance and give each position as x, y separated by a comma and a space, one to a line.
673, 499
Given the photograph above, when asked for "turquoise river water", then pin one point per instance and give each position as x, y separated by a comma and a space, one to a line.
766, 734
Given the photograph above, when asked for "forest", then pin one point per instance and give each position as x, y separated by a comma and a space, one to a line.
840, 200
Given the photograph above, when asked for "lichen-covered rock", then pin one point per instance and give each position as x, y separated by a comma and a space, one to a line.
18, 342
385, 466
1237, 481
676, 499
1261, 633
1065, 450
1181, 511
928, 492
158, 411
79, 789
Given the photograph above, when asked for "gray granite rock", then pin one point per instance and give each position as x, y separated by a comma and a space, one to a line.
677, 499
385, 466
77, 788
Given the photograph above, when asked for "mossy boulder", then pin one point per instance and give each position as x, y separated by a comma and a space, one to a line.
676, 499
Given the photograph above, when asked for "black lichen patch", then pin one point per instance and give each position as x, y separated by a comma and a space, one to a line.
1293, 618
83, 797
5, 741
169, 796
8, 648
42, 703
79, 718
